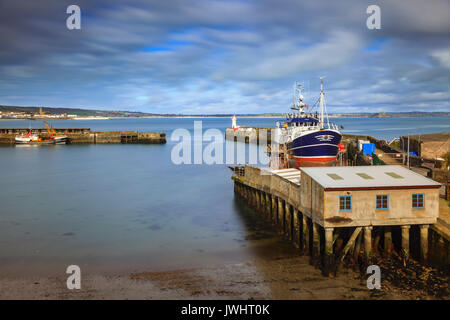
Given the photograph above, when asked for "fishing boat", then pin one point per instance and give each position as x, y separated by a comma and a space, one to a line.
310, 140
32, 138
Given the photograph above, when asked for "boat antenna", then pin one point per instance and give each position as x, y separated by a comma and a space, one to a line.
321, 101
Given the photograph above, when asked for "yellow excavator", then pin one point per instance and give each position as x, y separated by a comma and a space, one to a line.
59, 138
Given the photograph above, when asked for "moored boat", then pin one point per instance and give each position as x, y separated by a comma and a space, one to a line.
31, 138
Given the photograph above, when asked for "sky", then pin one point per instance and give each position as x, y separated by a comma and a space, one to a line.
208, 57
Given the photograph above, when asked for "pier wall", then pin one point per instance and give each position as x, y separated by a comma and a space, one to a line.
86, 136
248, 134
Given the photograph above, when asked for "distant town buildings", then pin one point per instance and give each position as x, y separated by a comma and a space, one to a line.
33, 115
43, 115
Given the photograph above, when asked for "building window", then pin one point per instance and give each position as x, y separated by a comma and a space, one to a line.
382, 202
418, 201
345, 203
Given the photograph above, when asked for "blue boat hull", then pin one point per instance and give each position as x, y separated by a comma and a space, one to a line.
318, 148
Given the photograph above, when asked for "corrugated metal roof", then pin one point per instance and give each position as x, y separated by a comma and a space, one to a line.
356, 177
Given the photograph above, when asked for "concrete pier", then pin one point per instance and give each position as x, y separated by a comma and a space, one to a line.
86, 136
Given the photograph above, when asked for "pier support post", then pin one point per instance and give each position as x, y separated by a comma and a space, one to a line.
376, 241
316, 244
258, 200
247, 194
305, 235
296, 235
274, 210
288, 221
387, 242
424, 243
405, 243
268, 208
280, 218
367, 244
261, 202
328, 261
357, 249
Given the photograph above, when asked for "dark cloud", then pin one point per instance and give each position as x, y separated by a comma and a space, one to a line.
225, 56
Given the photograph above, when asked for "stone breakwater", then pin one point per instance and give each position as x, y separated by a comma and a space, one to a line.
86, 136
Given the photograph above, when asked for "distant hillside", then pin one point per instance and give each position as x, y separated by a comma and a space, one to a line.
79, 112
112, 113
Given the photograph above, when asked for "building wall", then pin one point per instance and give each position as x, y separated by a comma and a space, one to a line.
311, 198
364, 213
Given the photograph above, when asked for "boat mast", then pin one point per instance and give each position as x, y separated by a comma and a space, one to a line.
321, 102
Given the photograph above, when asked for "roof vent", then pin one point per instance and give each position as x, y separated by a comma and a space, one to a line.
394, 175
334, 176
365, 176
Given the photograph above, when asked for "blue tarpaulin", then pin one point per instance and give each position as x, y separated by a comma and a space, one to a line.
368, 149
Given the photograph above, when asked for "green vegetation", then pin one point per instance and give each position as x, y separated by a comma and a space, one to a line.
446, 157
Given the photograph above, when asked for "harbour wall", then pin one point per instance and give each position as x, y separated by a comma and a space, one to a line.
86, 136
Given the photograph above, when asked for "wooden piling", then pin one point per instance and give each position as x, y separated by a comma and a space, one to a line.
351, 242
296, 229
424, 243
328, 250
305, 235
280, 218
316, 244
387, 241
367, 244
405, 243
268, 208
274, 210
376, 241
258, 200
357, 248
288, 221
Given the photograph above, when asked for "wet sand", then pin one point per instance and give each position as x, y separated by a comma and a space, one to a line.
276, 278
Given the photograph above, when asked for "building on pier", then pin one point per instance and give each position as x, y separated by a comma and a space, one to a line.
320, 208
368, 196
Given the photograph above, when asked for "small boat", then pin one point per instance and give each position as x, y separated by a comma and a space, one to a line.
31, 138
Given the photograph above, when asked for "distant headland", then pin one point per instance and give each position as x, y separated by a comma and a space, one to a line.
39, 113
